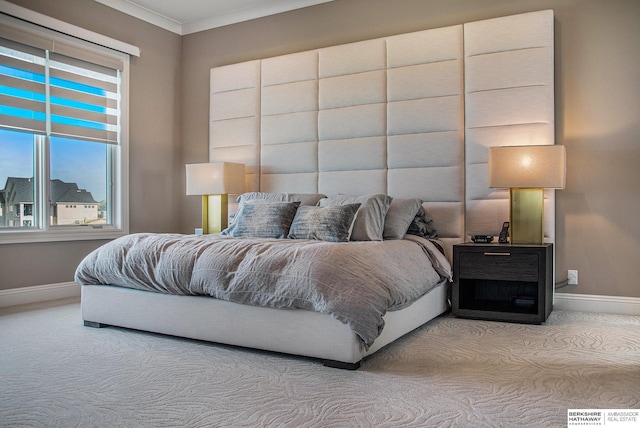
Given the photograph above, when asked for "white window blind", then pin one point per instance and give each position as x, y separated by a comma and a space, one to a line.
83, 99
22, 87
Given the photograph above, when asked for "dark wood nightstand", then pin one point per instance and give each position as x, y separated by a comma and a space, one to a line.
503, 282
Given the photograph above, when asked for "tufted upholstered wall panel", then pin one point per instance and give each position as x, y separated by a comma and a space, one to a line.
289, 102
352, 118
509, 92
234, 117
409, 115
425, 154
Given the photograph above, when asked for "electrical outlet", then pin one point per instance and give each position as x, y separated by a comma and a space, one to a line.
573, 277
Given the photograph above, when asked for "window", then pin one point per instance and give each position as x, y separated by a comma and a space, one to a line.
63, 136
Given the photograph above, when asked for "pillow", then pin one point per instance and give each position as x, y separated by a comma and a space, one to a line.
369, 223
303, 198
262, 220
422, 225
324, 223
399, 217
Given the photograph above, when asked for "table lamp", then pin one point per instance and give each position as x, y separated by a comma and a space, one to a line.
527, 171
215, 181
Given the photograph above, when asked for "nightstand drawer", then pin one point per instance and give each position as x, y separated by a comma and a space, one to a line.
499, 265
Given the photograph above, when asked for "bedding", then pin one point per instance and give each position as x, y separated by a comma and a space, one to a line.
400, 215
354, 282
262, 219
369, 222
422, 225
331, 224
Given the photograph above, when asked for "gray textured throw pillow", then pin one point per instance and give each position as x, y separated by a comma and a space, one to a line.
262, 220
369, 223
324, 223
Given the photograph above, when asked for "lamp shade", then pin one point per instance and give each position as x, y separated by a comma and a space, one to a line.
527, 167
215, 178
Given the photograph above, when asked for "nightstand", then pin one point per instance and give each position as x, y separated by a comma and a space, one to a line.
503, 282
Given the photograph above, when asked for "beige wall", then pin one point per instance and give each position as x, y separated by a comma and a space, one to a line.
597, 116
154, 137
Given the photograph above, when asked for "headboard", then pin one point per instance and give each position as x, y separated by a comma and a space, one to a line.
410, 115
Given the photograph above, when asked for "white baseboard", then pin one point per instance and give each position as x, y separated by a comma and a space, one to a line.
38, 293
594, 303
563, 301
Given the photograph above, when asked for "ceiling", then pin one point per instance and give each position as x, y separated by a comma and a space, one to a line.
190, 16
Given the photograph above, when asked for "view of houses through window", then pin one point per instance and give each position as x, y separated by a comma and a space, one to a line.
78, 197
69, 204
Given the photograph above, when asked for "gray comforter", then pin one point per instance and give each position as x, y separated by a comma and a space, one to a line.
355, 282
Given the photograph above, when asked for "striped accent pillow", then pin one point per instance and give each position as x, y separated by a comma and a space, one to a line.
332, 223
262, 219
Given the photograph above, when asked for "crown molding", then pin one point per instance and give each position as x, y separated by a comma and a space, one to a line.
259, 10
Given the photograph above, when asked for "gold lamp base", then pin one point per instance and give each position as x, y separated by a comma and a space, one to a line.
215, 213
527, 215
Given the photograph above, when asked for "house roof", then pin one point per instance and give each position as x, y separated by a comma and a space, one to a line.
69, 192
18, 190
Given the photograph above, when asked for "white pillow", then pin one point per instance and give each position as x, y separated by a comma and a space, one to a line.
400, 216
304, 198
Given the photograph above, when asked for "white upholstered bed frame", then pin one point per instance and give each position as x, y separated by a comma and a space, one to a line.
410, 115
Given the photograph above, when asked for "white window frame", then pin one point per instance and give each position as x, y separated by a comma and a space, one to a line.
119, 187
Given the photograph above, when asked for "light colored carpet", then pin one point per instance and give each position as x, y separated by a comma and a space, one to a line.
451, 372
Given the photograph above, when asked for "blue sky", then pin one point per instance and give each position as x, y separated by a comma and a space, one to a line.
72, 161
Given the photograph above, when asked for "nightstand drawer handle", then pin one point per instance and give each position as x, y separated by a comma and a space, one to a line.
497, 254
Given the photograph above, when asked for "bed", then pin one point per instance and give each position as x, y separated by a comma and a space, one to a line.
401, 118
331, 259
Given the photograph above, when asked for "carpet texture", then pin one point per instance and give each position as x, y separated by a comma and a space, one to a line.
54, 372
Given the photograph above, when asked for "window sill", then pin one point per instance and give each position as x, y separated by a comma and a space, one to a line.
79, 233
